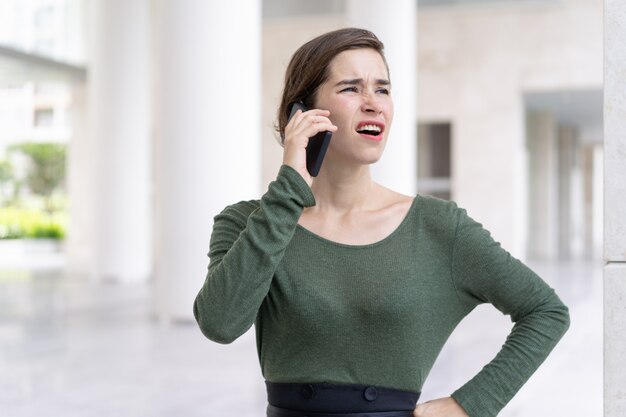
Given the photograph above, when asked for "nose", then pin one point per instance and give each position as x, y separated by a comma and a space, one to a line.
371, 104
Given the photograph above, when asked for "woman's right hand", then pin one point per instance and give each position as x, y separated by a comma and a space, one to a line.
442, 407
300, 128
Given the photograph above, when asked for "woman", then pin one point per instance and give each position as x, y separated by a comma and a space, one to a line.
354, 288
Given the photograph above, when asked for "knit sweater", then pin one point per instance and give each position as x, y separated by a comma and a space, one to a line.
375, 314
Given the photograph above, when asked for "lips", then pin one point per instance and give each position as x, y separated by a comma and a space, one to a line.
371, 129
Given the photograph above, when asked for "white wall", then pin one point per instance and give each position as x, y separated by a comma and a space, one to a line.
475, 63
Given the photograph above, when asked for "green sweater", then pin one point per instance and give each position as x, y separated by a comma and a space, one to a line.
375, 314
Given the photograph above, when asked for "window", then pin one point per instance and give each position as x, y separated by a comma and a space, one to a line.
44, 117
433, 159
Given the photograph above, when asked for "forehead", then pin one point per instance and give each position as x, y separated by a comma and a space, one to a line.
358, 63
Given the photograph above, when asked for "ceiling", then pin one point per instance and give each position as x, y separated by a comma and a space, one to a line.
580, 108
290, 8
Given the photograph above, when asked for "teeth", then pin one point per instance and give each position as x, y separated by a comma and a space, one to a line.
369, 127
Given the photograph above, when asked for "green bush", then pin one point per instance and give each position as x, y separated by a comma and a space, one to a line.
17, 223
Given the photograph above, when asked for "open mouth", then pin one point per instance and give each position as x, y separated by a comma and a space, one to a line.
372, 130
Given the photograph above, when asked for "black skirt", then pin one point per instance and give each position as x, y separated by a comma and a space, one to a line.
338, 400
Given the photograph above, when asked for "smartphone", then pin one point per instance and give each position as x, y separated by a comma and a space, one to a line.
318, 144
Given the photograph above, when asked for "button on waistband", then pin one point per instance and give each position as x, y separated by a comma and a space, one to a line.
370, 393
307, 391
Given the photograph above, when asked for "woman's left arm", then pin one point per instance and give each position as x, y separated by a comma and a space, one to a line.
483, 271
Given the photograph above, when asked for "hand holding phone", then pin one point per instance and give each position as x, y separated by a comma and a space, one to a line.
318, 144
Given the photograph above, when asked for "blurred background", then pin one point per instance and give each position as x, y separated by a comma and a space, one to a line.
125, 126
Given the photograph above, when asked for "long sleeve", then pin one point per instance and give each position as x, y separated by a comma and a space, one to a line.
484, 272
245, 250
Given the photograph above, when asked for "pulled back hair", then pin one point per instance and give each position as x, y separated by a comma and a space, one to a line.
309, 67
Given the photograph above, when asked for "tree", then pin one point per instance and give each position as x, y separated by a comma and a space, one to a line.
47, 168
6, 176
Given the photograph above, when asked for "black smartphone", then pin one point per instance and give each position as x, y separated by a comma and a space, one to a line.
318, 144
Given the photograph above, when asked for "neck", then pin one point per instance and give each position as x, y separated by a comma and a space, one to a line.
341, 189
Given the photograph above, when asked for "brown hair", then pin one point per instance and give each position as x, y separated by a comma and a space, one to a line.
308, 68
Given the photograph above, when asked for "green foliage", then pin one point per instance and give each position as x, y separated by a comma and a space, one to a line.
42, 215
6, 177
6, 172
17, 223
47, 170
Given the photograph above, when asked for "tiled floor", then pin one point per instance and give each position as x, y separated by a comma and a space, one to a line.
71, 348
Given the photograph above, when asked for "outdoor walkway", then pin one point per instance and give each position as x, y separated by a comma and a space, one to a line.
70, 348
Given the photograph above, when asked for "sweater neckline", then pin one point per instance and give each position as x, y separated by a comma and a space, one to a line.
390, 236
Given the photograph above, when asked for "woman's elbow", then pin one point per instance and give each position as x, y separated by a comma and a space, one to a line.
560, 317
220, 331
565, 318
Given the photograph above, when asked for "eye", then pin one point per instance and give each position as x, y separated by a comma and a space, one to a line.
383, 90
349, 89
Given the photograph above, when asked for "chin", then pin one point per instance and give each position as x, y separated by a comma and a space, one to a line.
376, 154
371, 158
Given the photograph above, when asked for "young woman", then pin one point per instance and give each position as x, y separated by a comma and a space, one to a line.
354, 288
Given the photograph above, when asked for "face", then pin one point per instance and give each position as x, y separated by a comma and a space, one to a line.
357, 94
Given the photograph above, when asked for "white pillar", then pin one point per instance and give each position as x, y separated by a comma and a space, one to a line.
598, 201
208, 135
543, 183
395, 24
567, 147
614, 208
119, 105
81, 190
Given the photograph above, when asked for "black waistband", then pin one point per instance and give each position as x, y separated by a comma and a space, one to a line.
338, 398
282, 412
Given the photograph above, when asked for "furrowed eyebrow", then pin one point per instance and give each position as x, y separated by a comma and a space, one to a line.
359, 81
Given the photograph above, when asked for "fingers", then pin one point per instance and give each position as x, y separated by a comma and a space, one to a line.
304, 125
446, 406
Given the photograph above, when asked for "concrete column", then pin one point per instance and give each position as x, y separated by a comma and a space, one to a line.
567, 148
395, 24
598, 201
119, 86
208, 135
543, 181
81, 157
614, 208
